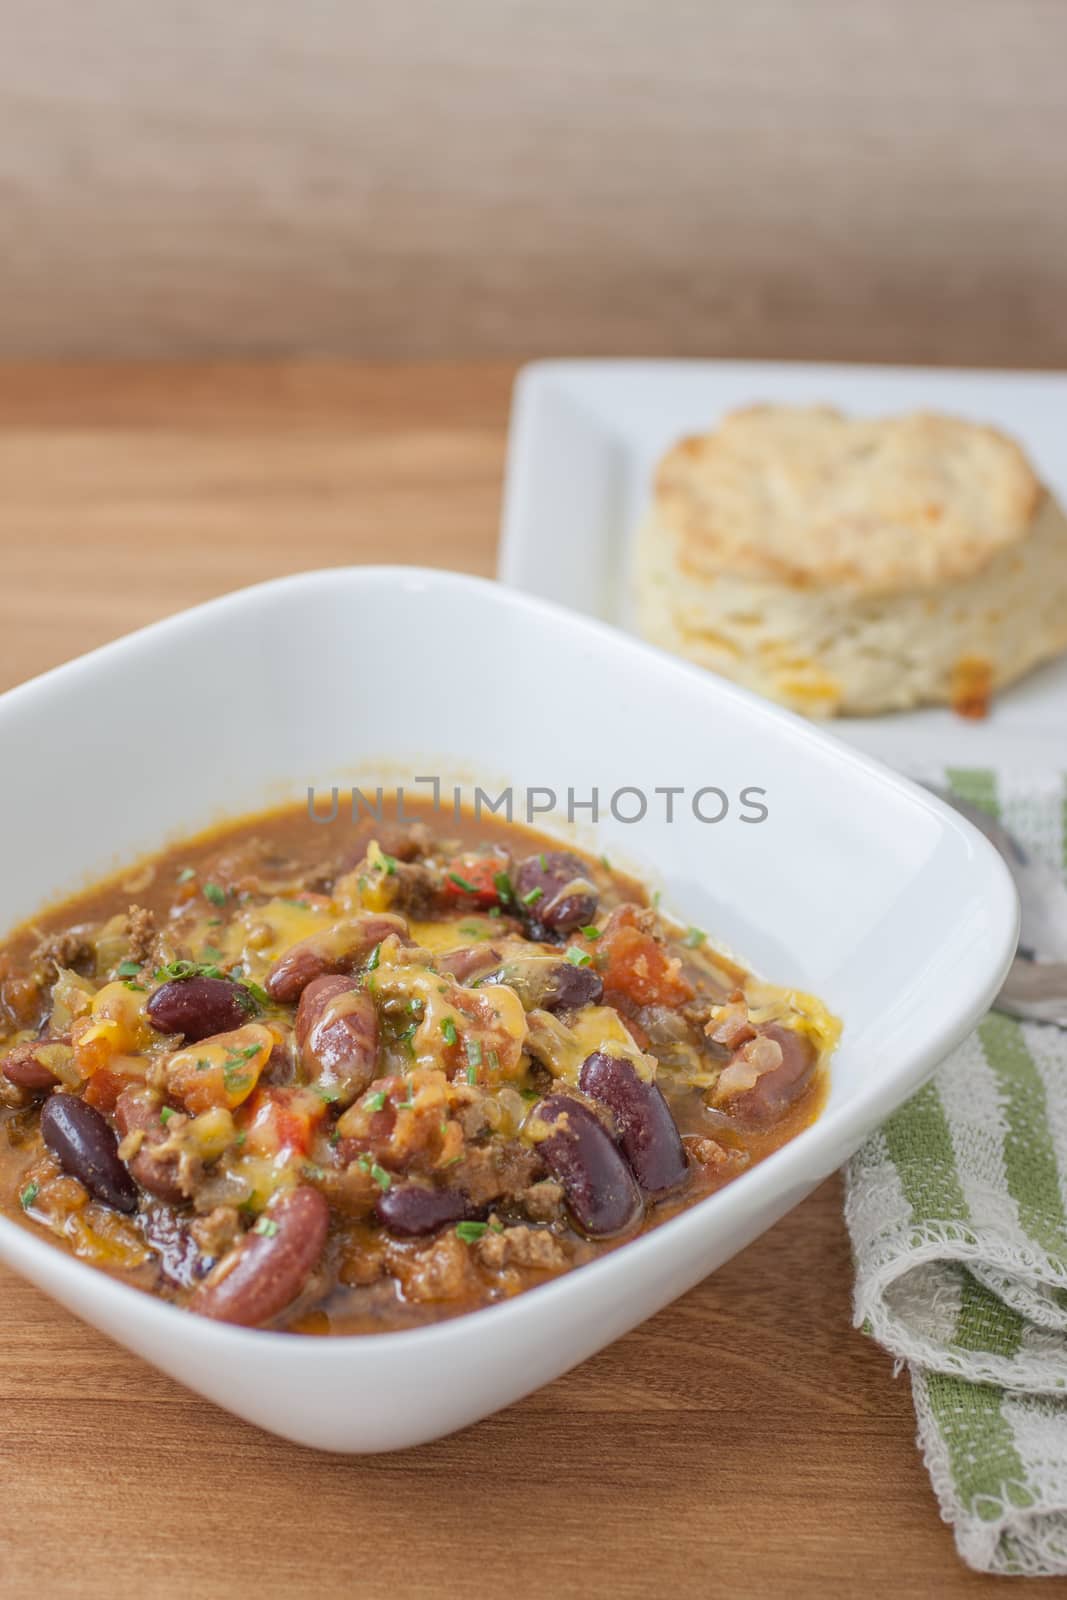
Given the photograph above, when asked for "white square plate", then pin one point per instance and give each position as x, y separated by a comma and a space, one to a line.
857, 887
585, 440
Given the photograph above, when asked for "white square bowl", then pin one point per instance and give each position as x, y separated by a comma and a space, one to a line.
857, 886
585, 440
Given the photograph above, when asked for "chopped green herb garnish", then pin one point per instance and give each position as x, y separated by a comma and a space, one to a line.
138, 988
266, 1226
335, 1136
128, 969
605, 863
381, 1177
211, 954
470, 1231
591, 932
239, 1138
532, 897
188, 969
375, 1102
375, 957
502, 885
472, 1072
543, 862
186, 873
463, 883
312, 1171
473, 931
258, 994
326, 1094
448, 1028
416, 1006
473, 1048
29, 1195
237, 1054
165, 1114
694, 938
494, 1060
494, 911
215, 894
579, 958
389, 863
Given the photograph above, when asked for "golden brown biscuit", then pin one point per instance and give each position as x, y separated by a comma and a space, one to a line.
854, 566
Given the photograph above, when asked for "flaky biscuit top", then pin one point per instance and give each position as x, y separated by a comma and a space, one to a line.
813, 499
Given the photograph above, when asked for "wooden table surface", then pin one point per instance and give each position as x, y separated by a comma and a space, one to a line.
746, 1441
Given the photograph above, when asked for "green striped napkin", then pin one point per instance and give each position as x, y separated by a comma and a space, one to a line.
957, 1209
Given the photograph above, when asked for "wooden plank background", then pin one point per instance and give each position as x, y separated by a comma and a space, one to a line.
837, 178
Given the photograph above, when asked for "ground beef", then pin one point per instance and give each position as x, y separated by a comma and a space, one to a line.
72, 948
141, 931
502, 1170
521, 1247
475, 1119
543, 1202
440, 1270
416, 890
218, 1232
406, 844
718, 1159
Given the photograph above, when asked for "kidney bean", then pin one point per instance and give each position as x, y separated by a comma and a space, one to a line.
339, 949
411, 1210
22, 1067
199, 1007
270, 1266
337, 1031
580, 1153
573, 986
470, 961
556, 907
646, 1129
773, 1092
86, 1147
138, 1111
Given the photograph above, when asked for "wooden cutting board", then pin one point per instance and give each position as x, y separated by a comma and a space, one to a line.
746, 1441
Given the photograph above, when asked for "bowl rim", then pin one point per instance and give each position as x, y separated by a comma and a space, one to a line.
843, 1125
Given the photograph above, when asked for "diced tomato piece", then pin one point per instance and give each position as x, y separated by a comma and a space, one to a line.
107, 1083
474, 878
636, 966
282, 1119
220, 1071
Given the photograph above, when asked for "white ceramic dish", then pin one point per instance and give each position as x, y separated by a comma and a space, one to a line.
586, 436
857, 886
